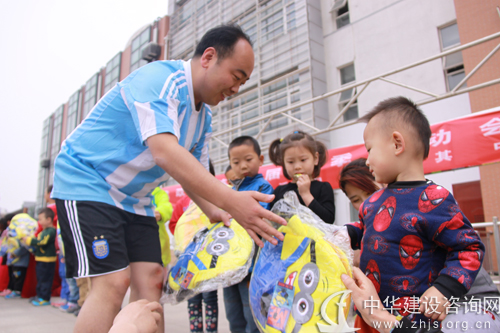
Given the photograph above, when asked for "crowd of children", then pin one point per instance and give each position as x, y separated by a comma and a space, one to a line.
47, 249
416, 240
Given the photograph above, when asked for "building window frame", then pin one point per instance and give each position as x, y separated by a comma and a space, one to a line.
345, 96
341, 10
73, 112
56, 138
113, 68
138, 43
90, 96
453, 64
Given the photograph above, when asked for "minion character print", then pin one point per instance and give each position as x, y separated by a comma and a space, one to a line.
292, 280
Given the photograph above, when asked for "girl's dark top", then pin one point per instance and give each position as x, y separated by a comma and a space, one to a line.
322, 205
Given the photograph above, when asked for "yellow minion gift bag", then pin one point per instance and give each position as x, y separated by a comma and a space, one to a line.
188, 225
294, 279
219, 256
21, 225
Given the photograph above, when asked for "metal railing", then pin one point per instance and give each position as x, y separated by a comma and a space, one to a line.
383, 77
487, 244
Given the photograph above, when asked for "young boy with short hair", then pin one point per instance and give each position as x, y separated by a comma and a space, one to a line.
245, 159
415, 240
45, 256
230, 175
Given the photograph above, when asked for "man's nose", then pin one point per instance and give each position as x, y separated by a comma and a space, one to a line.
235, 88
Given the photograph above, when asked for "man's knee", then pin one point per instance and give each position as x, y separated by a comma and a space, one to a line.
147, 276
114, 284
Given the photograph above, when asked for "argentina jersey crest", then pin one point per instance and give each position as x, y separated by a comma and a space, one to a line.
100, 247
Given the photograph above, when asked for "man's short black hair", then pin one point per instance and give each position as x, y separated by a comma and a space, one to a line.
47, 212
244, 140
222, 39
406, 112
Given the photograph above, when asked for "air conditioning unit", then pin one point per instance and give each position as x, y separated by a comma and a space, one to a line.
151, 52
45, 163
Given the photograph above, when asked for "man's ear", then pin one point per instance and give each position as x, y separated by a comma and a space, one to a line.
398, 142
208, 56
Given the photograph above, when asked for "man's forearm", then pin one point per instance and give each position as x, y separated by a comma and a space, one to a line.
187, 170
204, 205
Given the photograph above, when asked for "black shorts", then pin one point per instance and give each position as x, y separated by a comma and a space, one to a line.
99, 238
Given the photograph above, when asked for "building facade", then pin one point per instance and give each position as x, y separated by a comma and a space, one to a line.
289, 66
146, 44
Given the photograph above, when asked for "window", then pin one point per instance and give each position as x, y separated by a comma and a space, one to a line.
72, 119
348, 75
112, 72
90, 95
56, 139
290, 16
137, 44
453, 64
44, 154
272, 23
341, 8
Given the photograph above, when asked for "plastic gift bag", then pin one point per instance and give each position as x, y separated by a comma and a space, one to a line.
296, 284
219, 256
21, 225
191, 221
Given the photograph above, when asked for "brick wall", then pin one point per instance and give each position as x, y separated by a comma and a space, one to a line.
477, 19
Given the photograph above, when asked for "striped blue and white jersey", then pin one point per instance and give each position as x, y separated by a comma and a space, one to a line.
106, 158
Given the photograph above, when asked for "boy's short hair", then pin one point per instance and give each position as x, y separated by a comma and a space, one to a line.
244, 140
228, 168
402, 111
47, 212
223, 39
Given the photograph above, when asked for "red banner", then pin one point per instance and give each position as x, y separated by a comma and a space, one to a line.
459, 143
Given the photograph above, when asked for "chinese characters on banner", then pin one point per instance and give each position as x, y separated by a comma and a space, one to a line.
459, 143
410, 305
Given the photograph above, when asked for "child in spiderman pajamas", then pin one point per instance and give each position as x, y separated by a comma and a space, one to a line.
416, 244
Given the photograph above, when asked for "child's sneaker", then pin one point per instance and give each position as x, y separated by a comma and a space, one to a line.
5, 292
70, 307
40, 302
58, 304
14, 294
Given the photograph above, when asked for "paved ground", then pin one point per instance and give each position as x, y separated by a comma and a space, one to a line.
18, 316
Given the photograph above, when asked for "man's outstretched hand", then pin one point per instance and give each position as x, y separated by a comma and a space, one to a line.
244, 207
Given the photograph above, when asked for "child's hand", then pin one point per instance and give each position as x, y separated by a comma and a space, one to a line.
157, 216
367, 301
304, 187
433, 304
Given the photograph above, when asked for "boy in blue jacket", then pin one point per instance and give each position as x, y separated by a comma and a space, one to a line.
245, 159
